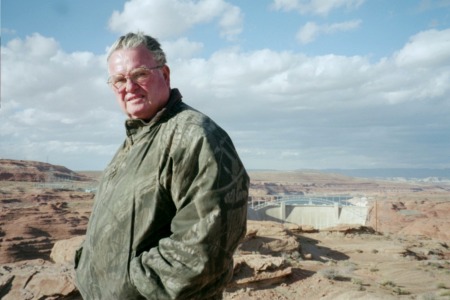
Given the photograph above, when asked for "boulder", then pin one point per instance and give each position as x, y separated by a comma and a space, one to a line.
268, 238
37, 279
259, 269
63, 252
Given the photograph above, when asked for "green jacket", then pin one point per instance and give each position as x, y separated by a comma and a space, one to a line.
170, 211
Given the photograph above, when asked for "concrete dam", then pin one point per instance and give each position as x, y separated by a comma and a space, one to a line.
314, 210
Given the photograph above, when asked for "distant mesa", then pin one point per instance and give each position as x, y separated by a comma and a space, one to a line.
34, 171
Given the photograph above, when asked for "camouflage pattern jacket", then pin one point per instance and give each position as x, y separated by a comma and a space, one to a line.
168, 214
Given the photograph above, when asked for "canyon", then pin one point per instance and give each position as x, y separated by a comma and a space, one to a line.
401, 252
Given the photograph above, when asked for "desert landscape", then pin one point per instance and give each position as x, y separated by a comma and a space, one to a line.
402, 252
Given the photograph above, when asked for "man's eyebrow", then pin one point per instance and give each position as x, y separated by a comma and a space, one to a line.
123, 74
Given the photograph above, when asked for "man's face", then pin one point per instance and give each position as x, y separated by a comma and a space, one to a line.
145, 89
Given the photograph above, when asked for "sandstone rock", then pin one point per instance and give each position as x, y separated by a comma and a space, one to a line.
413, 218
34, 216
266, 237
37, 279
63, 252
25, 170
260, 259
350, 228
307, 256
308, 229
29, 230
256, 268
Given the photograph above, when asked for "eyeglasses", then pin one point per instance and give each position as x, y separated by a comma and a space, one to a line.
138, 76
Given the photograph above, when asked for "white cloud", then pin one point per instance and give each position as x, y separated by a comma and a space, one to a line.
316, 7
231, 23
181, 48
321, 103
48, 94
170, 18
310, 31
282, 109
282, 77
35, 46
428, 48
422, 69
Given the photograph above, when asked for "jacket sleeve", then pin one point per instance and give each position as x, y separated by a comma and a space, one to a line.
209, 187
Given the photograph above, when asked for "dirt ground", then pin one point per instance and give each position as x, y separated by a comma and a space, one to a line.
360, 265
402, 252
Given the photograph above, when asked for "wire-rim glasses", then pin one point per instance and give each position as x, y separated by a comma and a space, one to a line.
139, 76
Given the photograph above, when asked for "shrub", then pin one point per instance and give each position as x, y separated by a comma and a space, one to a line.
329, 273
441, 286
388, 283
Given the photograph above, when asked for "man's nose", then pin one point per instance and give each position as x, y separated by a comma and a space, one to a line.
130, 85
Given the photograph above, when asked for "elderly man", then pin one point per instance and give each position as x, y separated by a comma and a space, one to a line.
171, 206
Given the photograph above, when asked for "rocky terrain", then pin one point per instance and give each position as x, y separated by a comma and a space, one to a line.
402, 252
40, 205
33, 171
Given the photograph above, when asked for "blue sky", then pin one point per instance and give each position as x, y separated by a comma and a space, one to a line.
296, 83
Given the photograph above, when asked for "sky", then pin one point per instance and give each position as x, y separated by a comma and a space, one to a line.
297, 84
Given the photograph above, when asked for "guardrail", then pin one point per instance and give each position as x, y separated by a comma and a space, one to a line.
327, 200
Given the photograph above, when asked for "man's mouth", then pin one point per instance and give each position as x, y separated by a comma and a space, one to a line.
135, 98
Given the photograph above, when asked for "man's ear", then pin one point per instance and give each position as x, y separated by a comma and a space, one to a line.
166, 73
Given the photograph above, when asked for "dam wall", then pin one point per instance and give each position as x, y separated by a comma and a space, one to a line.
317, 216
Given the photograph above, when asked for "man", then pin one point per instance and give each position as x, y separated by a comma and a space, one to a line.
171, 206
